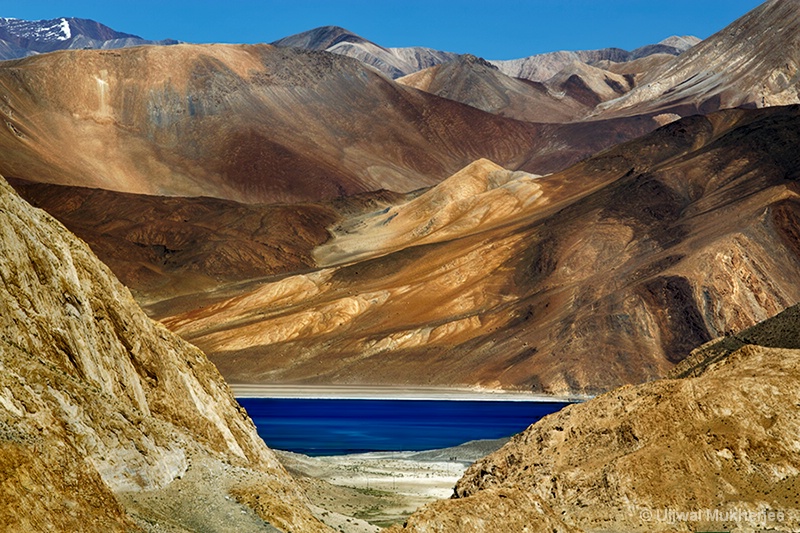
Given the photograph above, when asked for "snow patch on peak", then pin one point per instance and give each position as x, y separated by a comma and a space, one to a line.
66, 31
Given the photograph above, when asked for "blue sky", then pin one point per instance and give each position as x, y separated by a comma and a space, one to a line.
502, 29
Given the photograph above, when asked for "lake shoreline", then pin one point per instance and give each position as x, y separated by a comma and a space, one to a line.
381, 488
359, 392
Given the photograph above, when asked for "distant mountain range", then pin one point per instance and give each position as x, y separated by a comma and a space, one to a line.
397, 62
22, 38
542, 67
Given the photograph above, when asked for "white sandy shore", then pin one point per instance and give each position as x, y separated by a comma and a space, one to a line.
380, 487
390, 393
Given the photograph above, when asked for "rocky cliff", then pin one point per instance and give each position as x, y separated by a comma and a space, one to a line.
99, 404
715, 451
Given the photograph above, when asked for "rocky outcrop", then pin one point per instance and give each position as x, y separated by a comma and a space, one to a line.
97, 401
717, 451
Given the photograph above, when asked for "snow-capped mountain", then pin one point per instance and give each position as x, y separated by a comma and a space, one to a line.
20, 38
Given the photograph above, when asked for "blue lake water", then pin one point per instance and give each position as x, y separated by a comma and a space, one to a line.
341, 426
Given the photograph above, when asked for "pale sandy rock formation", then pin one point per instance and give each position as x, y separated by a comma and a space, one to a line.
589, 85
479, 196
96, 400
713, 452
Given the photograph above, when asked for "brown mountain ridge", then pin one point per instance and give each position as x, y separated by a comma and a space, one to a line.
606, 273
254, 124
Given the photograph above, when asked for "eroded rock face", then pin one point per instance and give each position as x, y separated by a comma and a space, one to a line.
94, 396
722, 444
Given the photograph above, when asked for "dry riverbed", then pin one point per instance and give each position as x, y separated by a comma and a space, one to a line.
360, 493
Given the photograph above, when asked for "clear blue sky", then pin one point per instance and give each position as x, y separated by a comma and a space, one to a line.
499, 29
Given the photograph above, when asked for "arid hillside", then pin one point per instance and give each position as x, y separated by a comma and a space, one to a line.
475, 82
109, 422
394, 62
712, 452
160, 246
254, 124
721, 443
753, 62
604, 274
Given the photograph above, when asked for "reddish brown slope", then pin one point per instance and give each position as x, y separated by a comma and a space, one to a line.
252, 124
613, 271
160, 246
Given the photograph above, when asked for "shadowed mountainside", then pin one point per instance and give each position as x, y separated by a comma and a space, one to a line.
254, 124
606, 273
101, 407
160, 246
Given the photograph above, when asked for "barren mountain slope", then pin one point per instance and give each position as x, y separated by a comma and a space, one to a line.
252, 124
475, 82
714, 452
100, 406
160, 246
753, 62
604, 274
588, 85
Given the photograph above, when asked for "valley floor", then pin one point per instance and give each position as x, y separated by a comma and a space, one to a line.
360, 493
